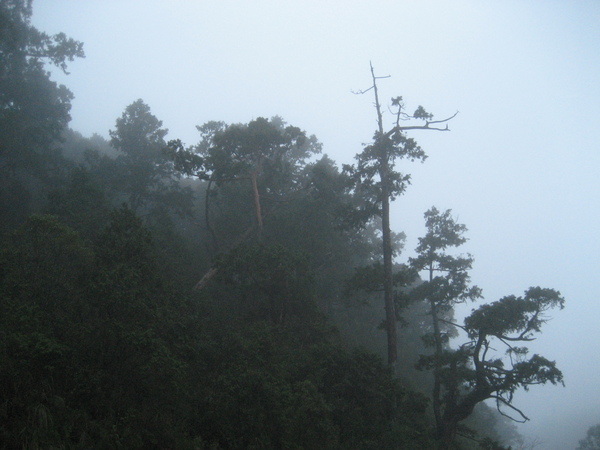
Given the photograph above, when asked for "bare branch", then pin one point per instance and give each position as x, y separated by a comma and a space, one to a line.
443, 120
520, 338
513, 349
361, 92
422, 127
374, 86
514, 408
377, 104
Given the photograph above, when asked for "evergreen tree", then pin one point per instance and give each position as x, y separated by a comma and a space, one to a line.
474, 372
144, 172
34, 110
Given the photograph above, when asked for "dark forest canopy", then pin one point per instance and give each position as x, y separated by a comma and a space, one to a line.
105, 344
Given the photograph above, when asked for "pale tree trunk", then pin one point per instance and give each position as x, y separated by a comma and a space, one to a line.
257, 209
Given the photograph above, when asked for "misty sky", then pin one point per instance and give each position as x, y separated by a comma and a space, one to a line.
519, 167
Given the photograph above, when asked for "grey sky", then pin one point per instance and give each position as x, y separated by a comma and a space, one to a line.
519, 168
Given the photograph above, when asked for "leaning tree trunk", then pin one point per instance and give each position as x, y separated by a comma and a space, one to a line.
257, 209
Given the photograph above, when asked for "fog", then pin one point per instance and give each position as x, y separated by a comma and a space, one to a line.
519, 166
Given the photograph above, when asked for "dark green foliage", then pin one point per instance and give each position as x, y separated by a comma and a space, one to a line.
276, 150
511, 320
447, 282
254, 167
104, 345
267, 385
84, 338
592, 439
15, 201
378, 159
44, 260
271, 282
521, 315
80, 204
33, 110
42, 270
102, 353
313, 221
145, 174
184, 160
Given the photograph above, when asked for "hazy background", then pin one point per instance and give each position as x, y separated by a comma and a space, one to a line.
519, 168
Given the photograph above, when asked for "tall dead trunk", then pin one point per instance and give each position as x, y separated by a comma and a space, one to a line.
386, 234
386, 145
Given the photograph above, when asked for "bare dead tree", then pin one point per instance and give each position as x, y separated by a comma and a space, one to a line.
377, 161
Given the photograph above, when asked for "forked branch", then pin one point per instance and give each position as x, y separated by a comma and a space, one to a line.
426, 126
500, 400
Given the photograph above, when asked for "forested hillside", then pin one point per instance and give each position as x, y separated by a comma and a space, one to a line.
240, 292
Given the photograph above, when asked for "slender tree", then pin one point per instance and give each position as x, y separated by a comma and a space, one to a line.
379, 182
147, 175
446, 284
476, 371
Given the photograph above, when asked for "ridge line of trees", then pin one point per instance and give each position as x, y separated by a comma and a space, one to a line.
104, 344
